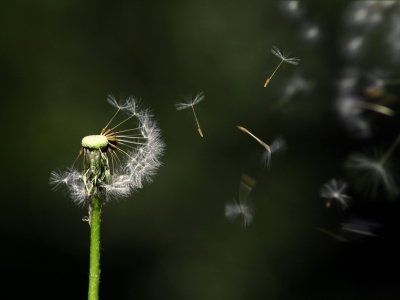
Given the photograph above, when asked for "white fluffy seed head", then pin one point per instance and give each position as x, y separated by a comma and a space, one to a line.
132, 165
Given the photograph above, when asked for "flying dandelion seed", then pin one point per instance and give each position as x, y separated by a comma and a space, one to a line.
277, 145
334, 190
190, 103
243, 209
351, 106
354, 230
284, 58
358, 227
115, 162
370, 174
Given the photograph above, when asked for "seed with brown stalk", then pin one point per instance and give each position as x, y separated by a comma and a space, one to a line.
284, 58
190, 103
277, 145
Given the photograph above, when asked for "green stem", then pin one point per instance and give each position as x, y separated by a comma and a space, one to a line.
94, 272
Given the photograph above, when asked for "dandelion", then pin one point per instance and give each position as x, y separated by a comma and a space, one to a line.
370, 173
242, 209
190, 103
277, 145
115, 163
107, 174
284, 58
334, 190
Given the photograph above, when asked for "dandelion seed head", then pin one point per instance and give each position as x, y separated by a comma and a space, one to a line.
117, 161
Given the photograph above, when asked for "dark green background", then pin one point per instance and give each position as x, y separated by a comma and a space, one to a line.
58, 62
